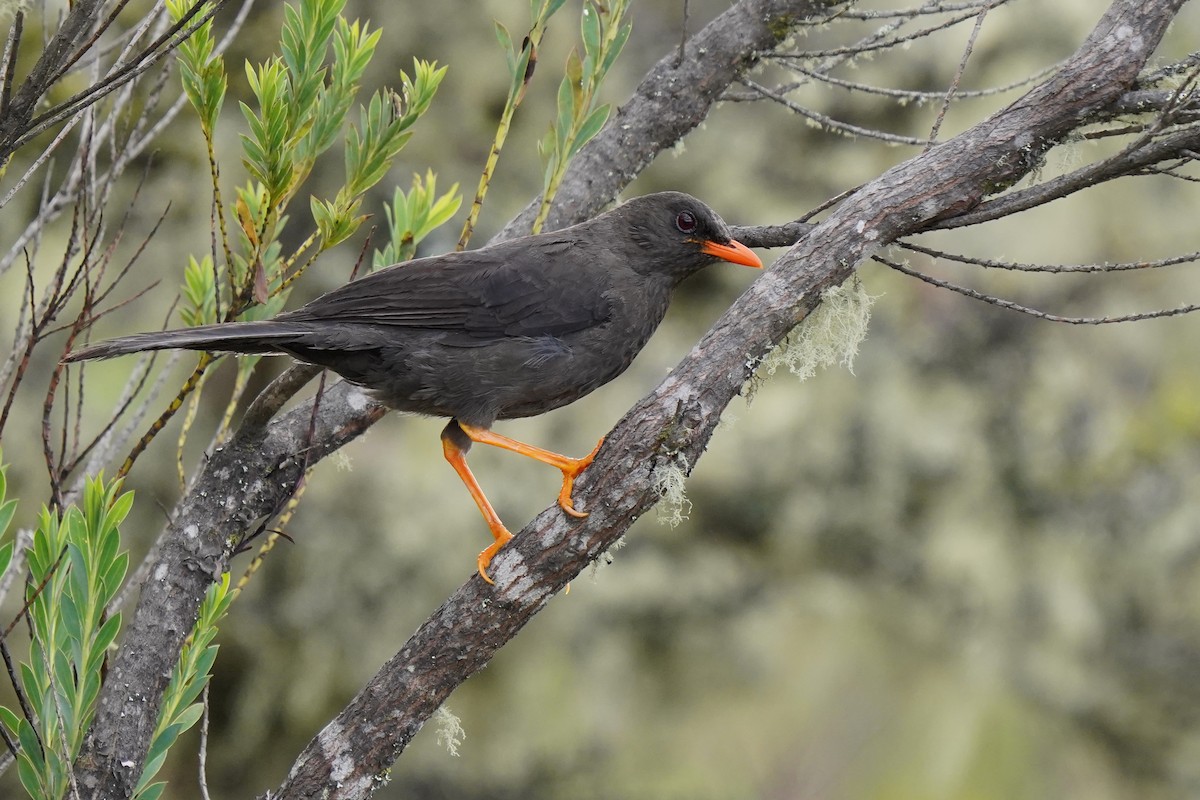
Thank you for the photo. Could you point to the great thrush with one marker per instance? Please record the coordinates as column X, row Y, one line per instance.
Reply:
column 511, row 330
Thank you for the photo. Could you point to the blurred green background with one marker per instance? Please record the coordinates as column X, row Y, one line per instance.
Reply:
column 967, row 570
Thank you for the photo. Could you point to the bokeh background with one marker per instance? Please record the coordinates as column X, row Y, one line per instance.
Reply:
column 968, row 569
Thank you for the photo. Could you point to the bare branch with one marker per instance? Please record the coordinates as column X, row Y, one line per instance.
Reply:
column 1014, row 266
column 1128, row 161
column 1000, row 302
column 829, row 123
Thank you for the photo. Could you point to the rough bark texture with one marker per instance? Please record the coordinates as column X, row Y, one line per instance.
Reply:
column 349, row 758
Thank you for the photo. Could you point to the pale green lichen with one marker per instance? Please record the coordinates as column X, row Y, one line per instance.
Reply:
column 669, row 481
column 606, row 558
column 728, row 420
column 9, row 8
column 829, row 335
column 449, row 730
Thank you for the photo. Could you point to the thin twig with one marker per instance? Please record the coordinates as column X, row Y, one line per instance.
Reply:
column 958, row 73
column 1033, row 312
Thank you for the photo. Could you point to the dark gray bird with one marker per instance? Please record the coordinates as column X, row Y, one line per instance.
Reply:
column 511, row 330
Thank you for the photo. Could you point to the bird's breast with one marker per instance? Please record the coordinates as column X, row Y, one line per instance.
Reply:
column 561, row 370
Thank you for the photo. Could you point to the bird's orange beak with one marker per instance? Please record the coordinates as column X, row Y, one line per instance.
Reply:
column 735, row 252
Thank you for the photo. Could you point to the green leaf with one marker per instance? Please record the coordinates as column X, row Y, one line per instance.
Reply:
column 323, row 216
column 443, row 210
column 566, row 108
column 152, row 792
column 105, row 636
column 64, row 675
column 6, row 551
column 189, row 695
column 162, row 743
column 506, row 44
column 28, row 772
column 119, row 510
column 574, row 74
column 9, row 719
column 69, row 613
column 549, row 9
column 115, row 575
column 589, row 26
column 189, row 716
column 590, row 127
column 32, row 682
column 618, row 44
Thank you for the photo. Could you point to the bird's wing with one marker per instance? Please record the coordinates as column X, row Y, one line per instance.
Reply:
column 543, row 286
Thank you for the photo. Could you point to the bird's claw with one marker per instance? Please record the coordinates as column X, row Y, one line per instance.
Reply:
column 489, row 552
column 570, row 472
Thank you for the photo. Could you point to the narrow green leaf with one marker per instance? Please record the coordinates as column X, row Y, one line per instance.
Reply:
column 119, row 510
column 618, row 44
column 31, row 681
column 106, row 635
column 446, row 207
column 69, row 613
column 29, row 745
column 31, row 779
column 506, row 44
column 189, row 716
column 574, row 74
column 64, row 674
column 114, row 576
column 10, row 720
column 152, row 792
column 589, row 26
column 158, row 752
column 590, row 127
column 566, row 107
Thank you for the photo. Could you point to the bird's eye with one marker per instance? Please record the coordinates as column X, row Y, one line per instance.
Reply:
column 686, row 221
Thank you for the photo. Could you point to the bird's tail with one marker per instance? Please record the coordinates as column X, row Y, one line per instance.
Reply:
column 231, row 337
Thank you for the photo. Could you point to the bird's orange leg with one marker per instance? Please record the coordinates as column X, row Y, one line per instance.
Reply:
column 570, row 467
column 457, row 456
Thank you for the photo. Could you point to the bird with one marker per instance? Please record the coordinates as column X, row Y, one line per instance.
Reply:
column 511, row 330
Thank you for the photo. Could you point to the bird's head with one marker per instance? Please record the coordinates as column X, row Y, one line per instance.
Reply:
column 680, row 234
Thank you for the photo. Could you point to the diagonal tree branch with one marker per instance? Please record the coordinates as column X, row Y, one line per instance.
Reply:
column 673, row 424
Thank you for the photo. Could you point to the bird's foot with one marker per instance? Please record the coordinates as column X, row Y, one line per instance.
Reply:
column 571, row 470
column 489, row 552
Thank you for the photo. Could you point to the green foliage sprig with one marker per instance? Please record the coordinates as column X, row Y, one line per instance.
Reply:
column 202, row 73
column 301, row 104
column 302, row 99
column 384, row 128
column 75, row 570
column 180, row 709
column 521, row 63
column 413, row 216
column 604, row 31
